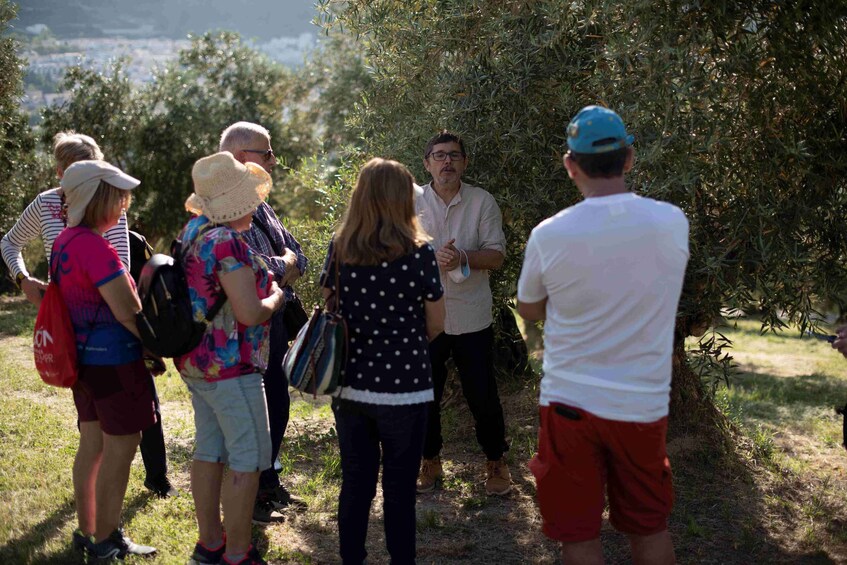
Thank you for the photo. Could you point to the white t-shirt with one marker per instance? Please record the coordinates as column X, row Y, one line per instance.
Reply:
column 612, row 269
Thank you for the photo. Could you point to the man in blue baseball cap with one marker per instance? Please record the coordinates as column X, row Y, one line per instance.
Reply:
column 606, row 275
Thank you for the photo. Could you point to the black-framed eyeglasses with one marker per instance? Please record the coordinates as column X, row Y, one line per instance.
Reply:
column 442, row 155
column 267, row 154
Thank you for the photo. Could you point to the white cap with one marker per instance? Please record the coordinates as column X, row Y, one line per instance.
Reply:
column 80, row 182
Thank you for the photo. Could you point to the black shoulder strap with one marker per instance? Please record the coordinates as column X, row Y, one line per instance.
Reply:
column 140, row 252
column 176, row 252
column 141, row 243
column 216, row 307
column 267, row 233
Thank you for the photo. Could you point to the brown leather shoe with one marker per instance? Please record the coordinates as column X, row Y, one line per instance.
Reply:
column 430, row 474
column 498, row 478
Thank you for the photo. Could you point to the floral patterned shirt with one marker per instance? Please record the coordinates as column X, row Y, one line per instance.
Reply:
column 229, row 349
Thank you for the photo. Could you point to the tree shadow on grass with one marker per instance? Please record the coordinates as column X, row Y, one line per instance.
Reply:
column 721, row 515
column 735, row 503
column 806, row 390
column 27, row 548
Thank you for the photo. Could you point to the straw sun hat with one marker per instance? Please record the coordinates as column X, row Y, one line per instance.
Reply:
column 225, row 190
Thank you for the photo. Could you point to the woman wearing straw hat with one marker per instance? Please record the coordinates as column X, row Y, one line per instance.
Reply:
column 392, row 300
column 224, row 373
column 113, row 394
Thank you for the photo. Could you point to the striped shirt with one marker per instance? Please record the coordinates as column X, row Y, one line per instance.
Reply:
column 43, row 218
column 258, row 241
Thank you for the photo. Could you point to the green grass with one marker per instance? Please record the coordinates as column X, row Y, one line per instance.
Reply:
column 693, row 529
column 428, row 520
column 38, row 440
column 781, row 397
column 759, row 392
column 17, row 318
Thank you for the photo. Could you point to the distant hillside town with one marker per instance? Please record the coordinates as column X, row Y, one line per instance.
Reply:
column 48, row 57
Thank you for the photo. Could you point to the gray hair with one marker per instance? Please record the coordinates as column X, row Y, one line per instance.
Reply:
column 240, row 134
column 70, row 147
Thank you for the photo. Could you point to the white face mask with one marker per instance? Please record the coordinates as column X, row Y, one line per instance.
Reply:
column 462, row 272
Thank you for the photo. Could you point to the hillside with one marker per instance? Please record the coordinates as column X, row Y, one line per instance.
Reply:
column 260, row 19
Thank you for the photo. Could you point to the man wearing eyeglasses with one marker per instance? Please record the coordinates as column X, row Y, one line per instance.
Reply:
column 249, row 142
column 466, row 226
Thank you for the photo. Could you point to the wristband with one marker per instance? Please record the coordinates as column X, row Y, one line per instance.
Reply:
column 19, row 278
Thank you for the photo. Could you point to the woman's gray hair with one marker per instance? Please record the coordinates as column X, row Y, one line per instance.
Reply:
column 240, row 134
column 70, row 147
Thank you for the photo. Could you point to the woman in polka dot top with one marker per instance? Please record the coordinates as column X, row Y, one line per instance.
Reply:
column 391, row 297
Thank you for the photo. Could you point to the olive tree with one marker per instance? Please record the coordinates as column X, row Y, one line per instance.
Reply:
column 103, row 105
column 17, row 167
column 22, row 173
column 156, row 132
column 328, row 88
column 217, row 81
column 739, row 110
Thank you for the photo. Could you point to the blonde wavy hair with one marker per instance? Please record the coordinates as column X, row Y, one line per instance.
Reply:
column 380, row 223
column 70, row 147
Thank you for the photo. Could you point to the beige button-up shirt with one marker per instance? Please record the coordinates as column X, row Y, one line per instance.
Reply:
column 473, row 219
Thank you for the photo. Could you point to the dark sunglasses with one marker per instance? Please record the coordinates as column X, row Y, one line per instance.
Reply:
column 266, row 155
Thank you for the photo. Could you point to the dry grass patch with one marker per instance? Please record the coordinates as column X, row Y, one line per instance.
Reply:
column 782, row 400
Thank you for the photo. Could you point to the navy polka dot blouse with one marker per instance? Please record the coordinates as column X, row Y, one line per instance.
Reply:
column 388, row 357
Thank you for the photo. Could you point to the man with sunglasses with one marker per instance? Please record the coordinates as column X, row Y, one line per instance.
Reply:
column 606, row 274
column 466, row 226
column 249, row 142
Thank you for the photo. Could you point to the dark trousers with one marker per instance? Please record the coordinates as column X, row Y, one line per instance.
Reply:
column 153, row 444
column 363, row 431
column 278, row 399
column 473, row 354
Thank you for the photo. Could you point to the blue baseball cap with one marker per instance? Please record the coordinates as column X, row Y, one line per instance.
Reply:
column 597, row 130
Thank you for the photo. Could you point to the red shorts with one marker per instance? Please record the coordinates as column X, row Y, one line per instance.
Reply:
column 120, row 397
column 579, row 454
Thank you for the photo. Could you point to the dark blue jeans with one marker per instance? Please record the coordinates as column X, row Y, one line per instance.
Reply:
column 279, row 401
column 366, row 433
column 473, row 354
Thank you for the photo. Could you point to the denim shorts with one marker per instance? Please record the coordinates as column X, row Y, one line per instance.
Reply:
column 231, row 422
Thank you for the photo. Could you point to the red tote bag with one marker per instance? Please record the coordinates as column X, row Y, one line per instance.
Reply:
column 54, row 340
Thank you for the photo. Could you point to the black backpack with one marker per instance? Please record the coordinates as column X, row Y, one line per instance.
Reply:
column 166, row 320
column 139, row 253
